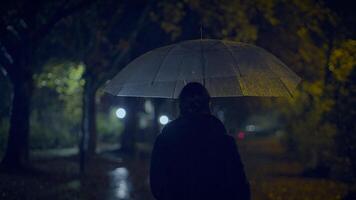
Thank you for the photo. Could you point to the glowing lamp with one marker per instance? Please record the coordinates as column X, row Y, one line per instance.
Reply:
column 163, row 119
column 120, row 113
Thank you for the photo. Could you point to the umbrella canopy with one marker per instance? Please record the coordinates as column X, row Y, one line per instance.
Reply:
column 225, row 68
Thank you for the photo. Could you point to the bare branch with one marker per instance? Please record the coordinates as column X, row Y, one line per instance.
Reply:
column 5, row 67
column 120, row 56
column 6, row 61
column 58, row 16
column 3, row 71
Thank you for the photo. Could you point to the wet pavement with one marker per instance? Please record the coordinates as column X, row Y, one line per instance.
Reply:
column 120, row 184
column 110, row 176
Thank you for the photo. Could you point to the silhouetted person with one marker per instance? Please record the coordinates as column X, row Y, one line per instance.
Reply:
column 193, row 158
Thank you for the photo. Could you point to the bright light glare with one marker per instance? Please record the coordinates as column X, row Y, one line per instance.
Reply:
column 120, row 113
column 163, row 119
column 251, row 128
column 119, row 178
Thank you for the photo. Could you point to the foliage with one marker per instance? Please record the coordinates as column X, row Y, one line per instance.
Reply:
column 343, row 114
column 218, row 19
column 109, row 127
column 56, row 111
column 322, row 111
column 168, row 16
column 343, row 60
column 53, row 132
column 56, row 116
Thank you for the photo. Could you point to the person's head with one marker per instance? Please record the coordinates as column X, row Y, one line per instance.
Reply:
column 194, row 98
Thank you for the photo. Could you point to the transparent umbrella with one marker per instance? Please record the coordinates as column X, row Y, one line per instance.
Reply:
column 225, row 68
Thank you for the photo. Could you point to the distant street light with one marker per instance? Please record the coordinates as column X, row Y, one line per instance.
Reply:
column 163, row 119
column 251, row 128
column 120, row 113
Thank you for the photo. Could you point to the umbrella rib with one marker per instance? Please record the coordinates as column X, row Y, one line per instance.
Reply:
column 284, row 85
column 211, row 46
column 179, row 72
column 292, row 73
column 232, row 55
column 237, row 66
column 160, row 65
column 202, row 61
column 119, row 90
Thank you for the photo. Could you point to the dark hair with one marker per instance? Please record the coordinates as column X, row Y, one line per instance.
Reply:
column 194, row 98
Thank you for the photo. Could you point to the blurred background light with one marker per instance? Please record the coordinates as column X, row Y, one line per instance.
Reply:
column 251, row 128
column 120, row 113
column 163, row 119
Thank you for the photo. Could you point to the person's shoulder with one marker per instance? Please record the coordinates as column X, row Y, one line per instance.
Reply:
column 214, row 119
column 169, row 132
column 229, row 139
column 172, row 124
column 216, row 122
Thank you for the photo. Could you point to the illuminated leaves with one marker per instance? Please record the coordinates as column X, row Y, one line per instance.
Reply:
column 343, row 60
column 64, row 78
column 267, row 9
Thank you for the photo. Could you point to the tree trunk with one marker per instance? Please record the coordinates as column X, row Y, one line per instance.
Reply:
column 128, row 138
column 17, row 150
column 88, row 135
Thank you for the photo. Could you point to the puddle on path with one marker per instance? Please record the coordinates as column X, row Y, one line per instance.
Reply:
column 120, row 184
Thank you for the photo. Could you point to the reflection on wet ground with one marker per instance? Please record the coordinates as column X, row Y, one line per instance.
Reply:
column 120, row 185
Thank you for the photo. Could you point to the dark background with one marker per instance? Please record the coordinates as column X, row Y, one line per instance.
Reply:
column 56, row 56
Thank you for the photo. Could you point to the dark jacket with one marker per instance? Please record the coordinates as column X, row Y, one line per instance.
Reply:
column 193, row 158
